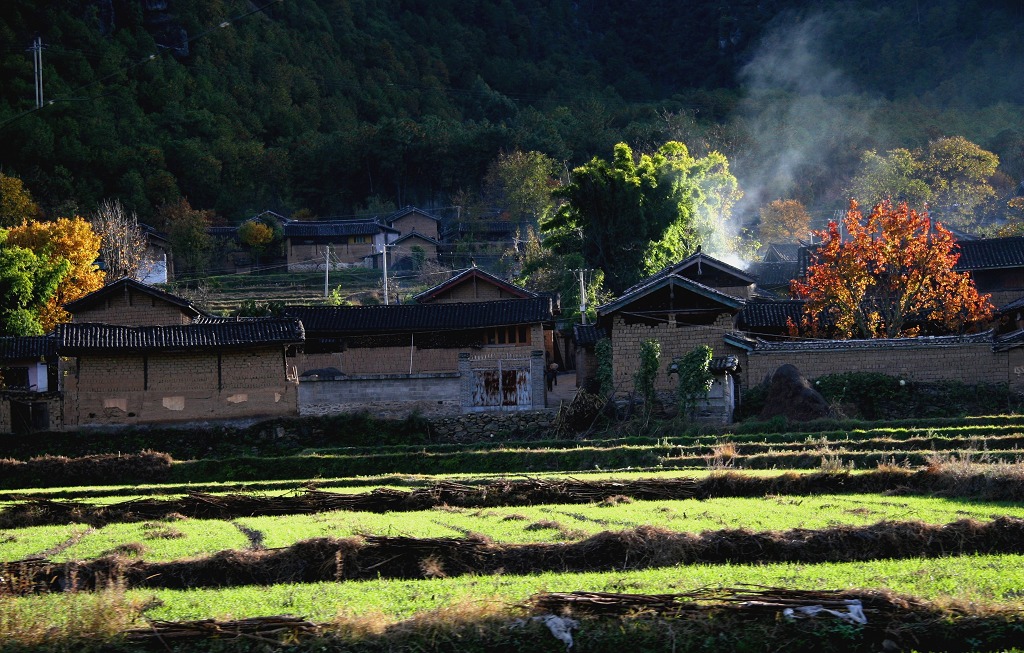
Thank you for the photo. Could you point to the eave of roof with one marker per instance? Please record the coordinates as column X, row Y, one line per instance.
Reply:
column 26, row 347
column 464, row 277
column 416, row 234
column 401, row 213
column 408, row 318
column 991, row 253
column 770, row 314
column 83, row 337
column 324, row 229
column 129, row 283
column 673, row 279
column 587, row 335
column 874, row 343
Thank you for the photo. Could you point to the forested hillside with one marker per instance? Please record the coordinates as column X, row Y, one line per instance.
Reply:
column 334, row 105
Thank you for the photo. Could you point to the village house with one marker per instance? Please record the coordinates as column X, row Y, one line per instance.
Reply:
column 778, row 267
column 691, row 303
column 441, row 358
column 133, row 354
column 114, row 374
column 345, row 243
column 412, row 220
column 132, row 303
column 684, row 306
column 472, row 285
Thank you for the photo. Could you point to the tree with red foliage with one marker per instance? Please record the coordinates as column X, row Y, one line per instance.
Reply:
column 890, row 277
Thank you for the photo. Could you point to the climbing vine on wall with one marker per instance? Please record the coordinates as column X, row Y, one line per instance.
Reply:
column 695, row 379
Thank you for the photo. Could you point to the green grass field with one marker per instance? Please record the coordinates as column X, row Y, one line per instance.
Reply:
column 988, row 582
column 162, row 541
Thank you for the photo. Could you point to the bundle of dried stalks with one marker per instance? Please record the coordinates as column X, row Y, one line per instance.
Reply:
column 272, row 630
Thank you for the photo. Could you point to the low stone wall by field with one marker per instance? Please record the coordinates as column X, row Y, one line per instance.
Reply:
column 477, row 427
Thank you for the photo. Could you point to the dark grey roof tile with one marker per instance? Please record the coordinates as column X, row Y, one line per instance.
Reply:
column 405, row 318
column 83, row 337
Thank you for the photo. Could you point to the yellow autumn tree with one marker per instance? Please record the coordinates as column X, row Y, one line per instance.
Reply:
column 69, row 238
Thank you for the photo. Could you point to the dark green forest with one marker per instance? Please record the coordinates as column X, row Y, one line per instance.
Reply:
column 336, row 105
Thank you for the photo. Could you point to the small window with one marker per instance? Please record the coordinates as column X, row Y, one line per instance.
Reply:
column 360, row 240
column 14, row 378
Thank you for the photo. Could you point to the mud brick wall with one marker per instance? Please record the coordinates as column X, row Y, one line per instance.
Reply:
column 133, row 309
column 967, row 362
column 310, row 257
column 396, row 360
column 177, row 387
column 675, row 341
column 474, row 291
column 415, row 222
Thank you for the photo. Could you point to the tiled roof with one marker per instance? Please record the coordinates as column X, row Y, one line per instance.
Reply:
column 991, row 253
column 416, row 234
column 1008, row 341
column 464, row 277
column 781, row 252
column 1015, row 305
column 659, row 281
column 340, row 228
column 698, row 259
column 775, row 275
column 222, row 231
column 762, row 315
column 484, row 229
column 874, row 343
column 986, row 254
column 405, row 318
column 78, row 337
column 724, row 364
column 401, row 213
column 587, row 335
column 20, row 347
column 123, row 285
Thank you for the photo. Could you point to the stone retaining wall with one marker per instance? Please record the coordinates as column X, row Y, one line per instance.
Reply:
column 477, row 427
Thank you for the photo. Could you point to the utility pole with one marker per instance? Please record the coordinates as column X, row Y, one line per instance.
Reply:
column 327, row 270
column 384, row 248
column 37, row 64
column 583, row 294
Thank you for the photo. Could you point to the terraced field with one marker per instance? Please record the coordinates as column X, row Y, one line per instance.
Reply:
column 887, row 538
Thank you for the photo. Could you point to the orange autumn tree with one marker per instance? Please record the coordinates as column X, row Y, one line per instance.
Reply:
column 890, row 276
column 69, row 238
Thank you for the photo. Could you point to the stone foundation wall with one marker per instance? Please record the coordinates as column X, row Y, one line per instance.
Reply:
column 477, row 427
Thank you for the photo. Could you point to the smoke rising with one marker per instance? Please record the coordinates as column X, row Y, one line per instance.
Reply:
column 801, row 123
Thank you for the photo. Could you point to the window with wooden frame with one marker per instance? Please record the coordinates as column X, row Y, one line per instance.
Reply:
column 508, row 335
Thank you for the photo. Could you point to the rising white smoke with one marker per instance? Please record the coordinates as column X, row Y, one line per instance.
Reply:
column 799, row 119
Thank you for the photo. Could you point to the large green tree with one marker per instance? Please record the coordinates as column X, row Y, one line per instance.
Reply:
column 952, row 177
column 633, row 215
column 520, row 185
column 27, row 281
